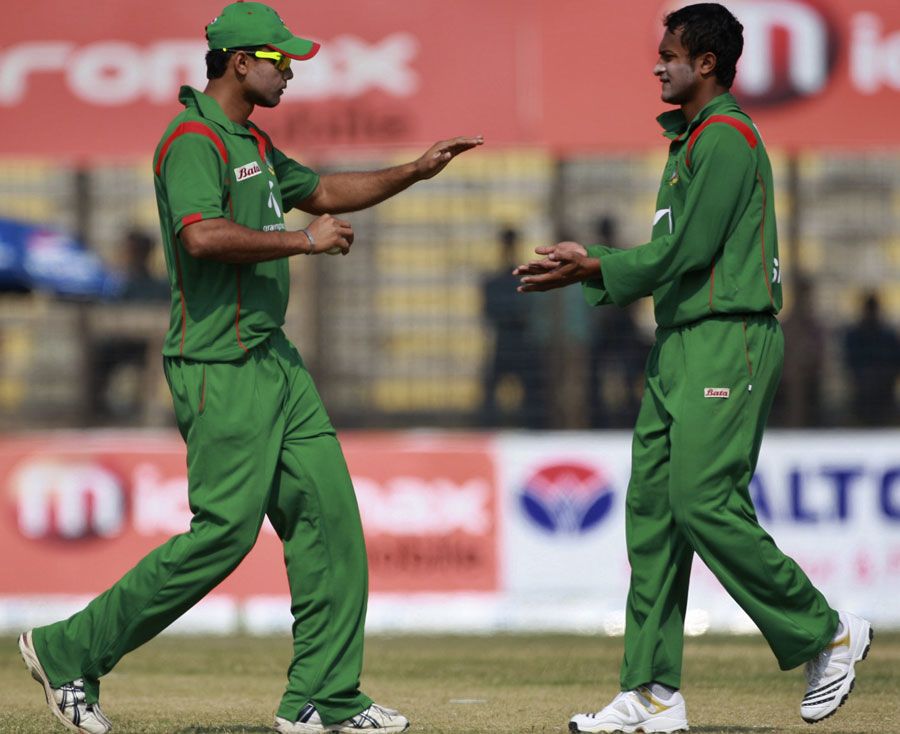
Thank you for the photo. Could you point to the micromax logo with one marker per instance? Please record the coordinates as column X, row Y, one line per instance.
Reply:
column 116, row 73
column 418, row 506
column 789, row 50
column 68, row 500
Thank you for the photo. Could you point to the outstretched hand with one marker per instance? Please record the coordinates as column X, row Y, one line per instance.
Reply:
column 436, row 158
column 563, row 264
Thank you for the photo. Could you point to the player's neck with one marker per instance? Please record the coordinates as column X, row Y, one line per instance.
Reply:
column 235, row 106
column 704, row 96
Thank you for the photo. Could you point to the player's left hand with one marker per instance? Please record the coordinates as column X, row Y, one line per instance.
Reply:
column 563, row 264
column 436, row 158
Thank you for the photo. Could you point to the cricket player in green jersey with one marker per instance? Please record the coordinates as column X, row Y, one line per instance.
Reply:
column 712, row 269
column 259, row 442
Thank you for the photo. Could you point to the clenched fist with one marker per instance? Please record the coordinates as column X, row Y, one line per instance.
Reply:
column 330, row 235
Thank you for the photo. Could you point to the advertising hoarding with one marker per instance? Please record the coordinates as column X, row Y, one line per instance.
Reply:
column 571, row 75
column 464, row 532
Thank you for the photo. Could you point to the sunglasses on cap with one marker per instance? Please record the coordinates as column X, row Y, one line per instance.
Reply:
column 280, row 61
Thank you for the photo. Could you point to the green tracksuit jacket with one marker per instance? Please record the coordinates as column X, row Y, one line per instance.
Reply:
column 714, row 246
column 712, row 269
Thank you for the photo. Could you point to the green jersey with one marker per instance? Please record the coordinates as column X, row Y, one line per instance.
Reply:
column 714, row 246
column 208, row 167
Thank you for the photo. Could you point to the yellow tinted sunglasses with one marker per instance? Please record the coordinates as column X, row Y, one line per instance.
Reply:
column 281, row 62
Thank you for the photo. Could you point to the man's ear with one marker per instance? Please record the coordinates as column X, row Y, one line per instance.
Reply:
column 240, row 62
column 706, row 63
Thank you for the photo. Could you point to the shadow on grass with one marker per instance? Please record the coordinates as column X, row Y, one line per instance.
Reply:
column 227, row 729
column 733, row 730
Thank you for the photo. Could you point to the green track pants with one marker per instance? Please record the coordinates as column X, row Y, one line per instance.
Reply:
column 693, row 456
column 259, row 443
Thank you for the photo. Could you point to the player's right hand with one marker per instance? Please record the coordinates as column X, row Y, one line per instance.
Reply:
column 331, row 235
column 564, row 263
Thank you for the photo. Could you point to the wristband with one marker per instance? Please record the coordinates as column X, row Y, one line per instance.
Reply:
column 312, row 242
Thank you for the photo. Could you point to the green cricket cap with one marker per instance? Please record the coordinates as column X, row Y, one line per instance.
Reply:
column 243, row 24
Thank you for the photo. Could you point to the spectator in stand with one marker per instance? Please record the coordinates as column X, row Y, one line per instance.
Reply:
column 141, row 285
column 515, row 355
column 616, row 355
column 560, row 329
column 872, row 356
column 120, row 360
column 799, row 400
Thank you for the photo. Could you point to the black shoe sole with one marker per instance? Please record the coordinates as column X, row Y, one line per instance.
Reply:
column 573, row 729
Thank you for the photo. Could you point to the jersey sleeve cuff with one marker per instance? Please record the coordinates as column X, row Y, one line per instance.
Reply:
column 594, row 289
column 182, row 222
column 619, row 278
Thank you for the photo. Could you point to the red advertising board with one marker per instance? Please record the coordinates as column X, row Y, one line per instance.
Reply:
column 100, row 503
column 814, row 73
column 99, row 81
column 429, row 508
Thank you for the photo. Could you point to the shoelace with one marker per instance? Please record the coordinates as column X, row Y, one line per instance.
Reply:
column 364, row 720
column 73, row 698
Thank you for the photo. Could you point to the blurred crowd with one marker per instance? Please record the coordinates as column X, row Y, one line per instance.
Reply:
column 550, row 361
column 539, row 350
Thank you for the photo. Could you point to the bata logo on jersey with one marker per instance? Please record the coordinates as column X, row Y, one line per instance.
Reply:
column 716, row 392
column 567, row 498
column 68, row 500
column 792, row 48
column 115, row 73
column 248, row 170
column 419, row 506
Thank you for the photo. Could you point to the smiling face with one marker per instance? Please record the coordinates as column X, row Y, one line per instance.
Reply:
column 263, row 83
column 680, row 75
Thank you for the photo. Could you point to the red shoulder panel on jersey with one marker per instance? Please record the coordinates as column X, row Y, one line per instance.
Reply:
column 184, row 128
column 742, row 127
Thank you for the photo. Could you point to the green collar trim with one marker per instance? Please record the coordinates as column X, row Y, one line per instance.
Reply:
column 210, row 109
column 675, row 126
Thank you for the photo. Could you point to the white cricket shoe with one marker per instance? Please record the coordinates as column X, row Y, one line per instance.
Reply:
column 635, row 711
column 66, row 702
column 373, row 720
column 830, row 675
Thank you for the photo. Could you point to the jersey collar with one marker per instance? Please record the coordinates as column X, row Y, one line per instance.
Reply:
column 210, row 109
column 676, row 127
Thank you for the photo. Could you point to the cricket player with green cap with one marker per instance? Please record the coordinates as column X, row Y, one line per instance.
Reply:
column 259, row 442
column 712, row 269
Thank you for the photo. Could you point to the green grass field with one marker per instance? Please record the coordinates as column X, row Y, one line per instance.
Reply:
column 507, row 684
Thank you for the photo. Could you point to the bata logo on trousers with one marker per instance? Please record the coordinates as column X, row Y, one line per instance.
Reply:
column 248, row 170
column 716, row 392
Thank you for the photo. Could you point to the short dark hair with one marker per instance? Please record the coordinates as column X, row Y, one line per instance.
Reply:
column 710, row 28
column 217, row 60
